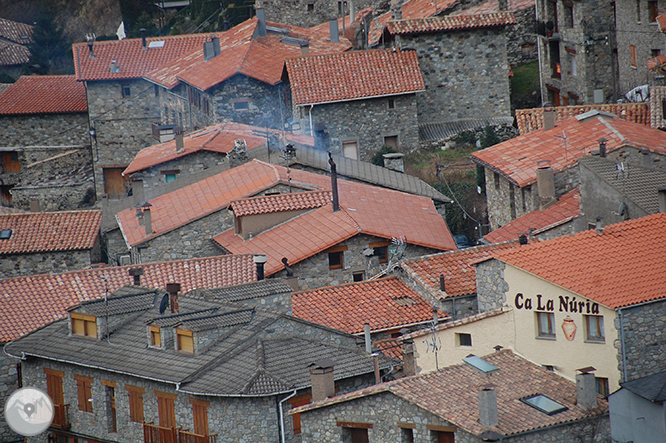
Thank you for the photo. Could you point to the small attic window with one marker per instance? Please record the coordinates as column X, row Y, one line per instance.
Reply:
column 84, row 325
column 480, row 364
column 155, row 336
column 5, row 234
column 157, row 44
column 185, row 341
column 310, row 7
column 544, row 404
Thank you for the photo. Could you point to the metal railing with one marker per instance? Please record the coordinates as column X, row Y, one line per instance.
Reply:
column 159, row 434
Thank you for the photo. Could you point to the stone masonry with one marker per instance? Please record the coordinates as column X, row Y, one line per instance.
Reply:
column 56, row 130
column 307, row 13
column 155, row 176
column 491, row 288
column 8, row 383
column 15, row 265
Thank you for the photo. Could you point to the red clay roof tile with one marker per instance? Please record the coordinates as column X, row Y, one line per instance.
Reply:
column 493, row 6
column 450, row 23
column 353, row 75
column 425, row 8
column 600, row 265
column 661, row 21
column 387, row 303
column 561, row 212
column 517, row 159
column 27, row 303
column 16, row 32
column 50, row 231
column 44, row 94
column 266, row 204
column 13, row 54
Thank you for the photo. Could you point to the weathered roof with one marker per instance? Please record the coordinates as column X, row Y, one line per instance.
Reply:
column 452, row 394
column 261, row 58
column 425, row 8
column 450, row 23
column 489, row 6
column 455, row 323
column 353, row 76
column 13, row 54
column 367, row 173
column 44, row 94
column 219, row 137
column 532, row 119
column 457, row 267
column 565, row 210
column 386, row 303
column 50, row 231
column 517, row 159
column 651, row 387
column 258, row 354
column 617, row 267
column 27, row 303
column 266, row 204
column 245, row 291
column 16, row 32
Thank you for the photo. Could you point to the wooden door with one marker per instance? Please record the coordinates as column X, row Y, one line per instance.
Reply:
column 359, row 435
column 445, row 437
column 114, row 182
column 166, row 411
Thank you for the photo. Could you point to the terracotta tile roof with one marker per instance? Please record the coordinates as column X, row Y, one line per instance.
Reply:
column 27, row 303
column 457, row 267
column 661, row 21
column 532, row 119
column 452, row 394
column 619, row 267
column 517, row 159
column 16, row 32
column 425, row 8
column 657, row 64
column 390, row 347
column 261, row 58
column 450, row 23
column 565, row 210
column 376, row 30
column 50, row 231
column 363, row 209
column 44, row 94
column 386, row 303
column 219, row 137
column 493, row 6
column 13, row 54
column 266, row 204
column 353, row 75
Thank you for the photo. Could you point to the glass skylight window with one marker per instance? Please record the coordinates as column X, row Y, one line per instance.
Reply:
column 5, row 234
column 480, row 364
column 544, row 404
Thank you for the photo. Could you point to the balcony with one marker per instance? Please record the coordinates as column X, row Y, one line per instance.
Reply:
column 160, row 434
column 61, row 417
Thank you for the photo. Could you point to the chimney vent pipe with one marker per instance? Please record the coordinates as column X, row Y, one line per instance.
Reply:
column 335, row 34
column 442, row 283
column 260, row 261
column 136, row 273
column 602, row 147
column 368, row 339
column 334, row 182
column 661, row 194
column 143, row 39
column 586, row 388
column 488, row 406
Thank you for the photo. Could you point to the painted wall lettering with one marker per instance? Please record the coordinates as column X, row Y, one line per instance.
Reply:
column 566, row 304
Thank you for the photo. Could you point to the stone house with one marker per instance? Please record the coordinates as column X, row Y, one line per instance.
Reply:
column 354, row 103
column 45, row 147
column 205, row 148
column 141, row 369
column 310, row 13
column 49, row 242
column 533, row 170
column 29, row 303
column 464, row 64
column 14, row 40
column 498, row 397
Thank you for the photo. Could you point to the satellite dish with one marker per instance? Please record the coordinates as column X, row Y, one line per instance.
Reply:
column 164, row 304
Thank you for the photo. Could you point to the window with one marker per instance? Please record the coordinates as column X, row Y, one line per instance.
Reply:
column 135, row 403
column 496, row 178
column 84, row 392
column 125, row 90
column 170, row 177
column 55, row 391
column 527, row 50
column 355, row 432
column 406, row 435
column 653, row 9
column 84, row 325
column 602, row 386
column 5, row 234
column 110, row 394
column 441, row 434
column 295, row 402
column 391, row 103
column 336, row 257
column 155, row 336
column 480, row 364
column 381, row 250
column 594, row 325
column 350, row 149
column 632, row 55
column 573, row 99
column 638, row 11
column 241, row 105
column 655, row 52
column 544, row 404
column 545, row 325
column 185, row 340
column 463, row 339
column 358, row 276
column 310, row 7
column 553, row 95
column 200, row 415
column 568, row 14
column 555, row 64
column 392, row 141
column 551, row 17
column 573, row 68
column 10, row 162
column 166, row 409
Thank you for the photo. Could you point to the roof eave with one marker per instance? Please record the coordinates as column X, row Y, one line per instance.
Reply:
column 360, row 98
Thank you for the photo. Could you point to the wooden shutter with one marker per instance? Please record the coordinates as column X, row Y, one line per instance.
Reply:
column 84, row 391
column 135, row 403
column 54, row 385
column 200, row 412
column 166, row 409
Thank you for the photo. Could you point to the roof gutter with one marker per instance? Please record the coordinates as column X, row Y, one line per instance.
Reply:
column 360, row 98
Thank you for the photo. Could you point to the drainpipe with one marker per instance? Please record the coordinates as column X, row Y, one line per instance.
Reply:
column 624, row 355
column 283, row 438
column 311, row 130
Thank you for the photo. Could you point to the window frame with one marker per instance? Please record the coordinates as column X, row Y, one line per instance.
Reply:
column 462, row 339
column 551, row 334
column 632, row 56
column 599, row 320
column 390, row 103
column 125, row 90
column 653, row 11
column 337, row 251
column 188, row 336
column 602, row 386
column 89, row 322
column 381, row 245
column 244, row 104
column 155, row 332
column 11, row 164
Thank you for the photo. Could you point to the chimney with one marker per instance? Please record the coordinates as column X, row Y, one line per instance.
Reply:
column 137, row 187
column 394, row 161
column 147, row 221
column 435, row 316
column 502, row 5
column 602, row 147
column 546, row 186
column 321, row 376
column 368, row 339
column 522, row 239
column 136, row 273
column 261, row 22
column 586, row 388
column 173, row 289
column 409, row 362
column 259, row 261
column 599, row 226
column 647, row 158
column 442, row 283
column 34, row 205
column 333, row 27
column 113, row 67
column 661, row 195
column 91, row 42
column 305, row 48
column 488, row 406
column 180, row 146
column 216, row 45
column 352, row 12
column 143, row 39
column 548, row 118
column 211, row 48
column 378, row 376
column 396, row 12
column 334, row 182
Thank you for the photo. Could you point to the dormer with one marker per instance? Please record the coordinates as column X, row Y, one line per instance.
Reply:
column 83, row 325
column 257, row 214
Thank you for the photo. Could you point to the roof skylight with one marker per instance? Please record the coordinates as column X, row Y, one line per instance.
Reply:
column 544, row 404
column 480, row 364
column 5, row 234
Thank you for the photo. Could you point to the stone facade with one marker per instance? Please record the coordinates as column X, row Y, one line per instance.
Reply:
column 307, row 13
column 56, row 262
column 491, row 288
column 8, row 384
column 642, row 330
column 465, row 72
column 74, row 192
column 521, row 41
column 635, row 27
column 576, row 49
column 156, row 176
column 36, row 130
column 368, row 123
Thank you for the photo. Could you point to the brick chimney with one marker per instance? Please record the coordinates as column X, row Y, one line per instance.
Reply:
column 260, row 261
column 488, row 406
column 173, row 289
column 586, row 388
column 321, row 376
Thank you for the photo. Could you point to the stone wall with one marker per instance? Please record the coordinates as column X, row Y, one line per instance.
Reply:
column 77, row 193
column 56, row 130
column 186, row 166
column 8, row 384
column 15, row 265
column 491, row 288
column 644, row 338
column 367, row 122
column 466, row 74
column 306, row 13
column 521, row 41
